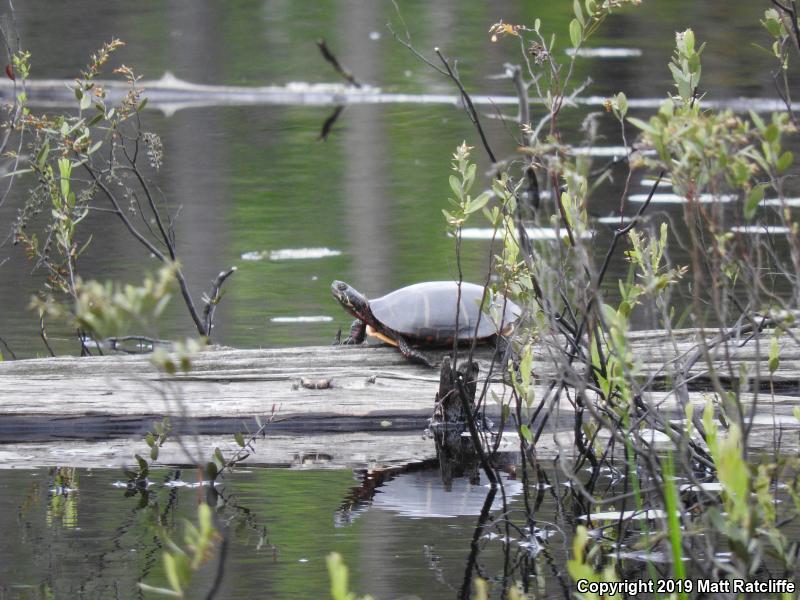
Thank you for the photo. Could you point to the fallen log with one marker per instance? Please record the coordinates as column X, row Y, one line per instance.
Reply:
column 370, row 394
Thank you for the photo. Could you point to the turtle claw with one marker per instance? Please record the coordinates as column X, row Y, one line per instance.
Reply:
column 357, row 335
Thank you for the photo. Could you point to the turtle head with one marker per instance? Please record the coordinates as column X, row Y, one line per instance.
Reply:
column 352, row 301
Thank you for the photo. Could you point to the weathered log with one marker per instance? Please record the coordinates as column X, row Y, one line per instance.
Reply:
column 454, row 447
column 374, row 393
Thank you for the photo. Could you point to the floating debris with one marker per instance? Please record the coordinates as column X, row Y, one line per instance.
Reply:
column 761, row 229
column 179, row 483
column 658, row 557
column 302, row 319
column 710, row 486
column 302, row 253
column 290, row 254
column 613, row 220
column 633, row 515
column 780, row 202
column 651, row 181
column 170, row 94
column 534, row 233
column 604, row 52
column 676, row 199
column 495, row 536
column 654, row 436
column 133, row 485
column 602, row 151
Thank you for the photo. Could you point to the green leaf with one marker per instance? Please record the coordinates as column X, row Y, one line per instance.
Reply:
column 754, row 198
column 154, row 453
column 95, row 119
column 239, row 439
column 218, row 458
column 536, row 25
column 171, row 569
column 643, row 125
column 86, row 101
column 158, row 590
column 622, row 103
column 774, row 355
column 575, row 33
column 142, row 463
column 477, row 203
column 455, row 185
column 337, row 573
column 525, row 432
column 151, row 441
column 469, row 176
column 169, row 367
column 576, row 8
column 672, row 505
column 757, row 120
column 772, row 133
column 785, row 161
column 41, row 158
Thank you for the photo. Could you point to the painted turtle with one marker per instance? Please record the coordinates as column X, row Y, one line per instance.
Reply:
column 423, row 314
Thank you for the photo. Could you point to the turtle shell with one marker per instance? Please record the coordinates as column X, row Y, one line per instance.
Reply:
column 426, row 312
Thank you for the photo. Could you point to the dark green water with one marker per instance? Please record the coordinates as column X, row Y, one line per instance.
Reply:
column 98, row 543
column 249, row 179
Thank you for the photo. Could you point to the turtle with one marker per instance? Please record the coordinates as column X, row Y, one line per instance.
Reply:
column 424, row 314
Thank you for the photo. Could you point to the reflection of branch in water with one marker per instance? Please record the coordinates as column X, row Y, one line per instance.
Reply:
column 466, row 585
column 435, row 565
column 327, row 126
column 246, row 516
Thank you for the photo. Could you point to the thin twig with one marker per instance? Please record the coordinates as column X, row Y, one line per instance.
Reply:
column 470, row 107
column 8, row 349
column 43, row 335
column 213, row 299
column 337, row 66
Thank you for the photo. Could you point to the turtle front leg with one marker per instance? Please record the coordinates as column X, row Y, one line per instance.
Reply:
column 413, row 354
column 358, row 333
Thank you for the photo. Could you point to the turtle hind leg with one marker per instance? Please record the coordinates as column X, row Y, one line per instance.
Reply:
column 358, row 333
column 412, row 354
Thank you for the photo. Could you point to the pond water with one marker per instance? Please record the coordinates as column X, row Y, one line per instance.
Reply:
column 247, row 181
column 405, row 538
column 96, row 542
